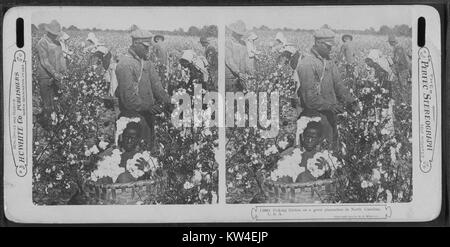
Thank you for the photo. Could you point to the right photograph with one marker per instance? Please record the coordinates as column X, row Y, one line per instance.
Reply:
column 318, row 110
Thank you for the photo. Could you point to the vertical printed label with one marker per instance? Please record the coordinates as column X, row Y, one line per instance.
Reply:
column 427, row 110
column 17, row 113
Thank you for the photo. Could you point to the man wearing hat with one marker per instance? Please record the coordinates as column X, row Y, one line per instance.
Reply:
column 50, row 69
column 348, row 54
column 139, row 86
column 401, row 68
column 159, row 57
column 237, row 60
column 212, row 58
column 321, row 89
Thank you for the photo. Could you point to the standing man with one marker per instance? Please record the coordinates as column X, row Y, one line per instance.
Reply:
column 348, row 55
column 237, row 61
column 402, row 69
column 160, row 58
column 139, row 85
column 50, row 69
column 321, row 88
column 212, row 58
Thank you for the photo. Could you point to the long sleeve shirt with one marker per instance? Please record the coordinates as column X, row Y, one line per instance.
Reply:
column 236, row 59
column 51, row 58
column 139, row 85
column 320, row 83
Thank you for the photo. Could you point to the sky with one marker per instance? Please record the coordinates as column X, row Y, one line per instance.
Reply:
column 160, row 18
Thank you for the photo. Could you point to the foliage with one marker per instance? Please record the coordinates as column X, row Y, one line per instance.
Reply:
column 376, row 158
column 61, row 156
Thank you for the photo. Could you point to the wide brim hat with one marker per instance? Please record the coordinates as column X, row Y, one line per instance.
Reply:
column 158, row 36
column 142, row 36
column 346, row 35
column 238, row 27
column 53, row 27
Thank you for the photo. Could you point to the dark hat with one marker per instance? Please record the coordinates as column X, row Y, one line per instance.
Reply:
column 142, row 36
column 325, row 35
column 347, row 36
column 158, row 36
column 53, row 27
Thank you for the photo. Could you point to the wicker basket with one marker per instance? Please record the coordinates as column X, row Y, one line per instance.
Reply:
column 310, row 192
column 125, row 193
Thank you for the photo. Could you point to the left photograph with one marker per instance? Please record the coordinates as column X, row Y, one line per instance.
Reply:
column 106, row 97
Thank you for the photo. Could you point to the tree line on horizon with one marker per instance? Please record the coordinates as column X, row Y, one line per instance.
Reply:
column 207, row 30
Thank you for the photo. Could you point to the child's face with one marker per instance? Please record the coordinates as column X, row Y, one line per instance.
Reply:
column 130, row 139
column 311, row 138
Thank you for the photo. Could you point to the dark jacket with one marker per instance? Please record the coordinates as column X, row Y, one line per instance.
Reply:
column 320, row 83
column 51, row 58
column 139, row 84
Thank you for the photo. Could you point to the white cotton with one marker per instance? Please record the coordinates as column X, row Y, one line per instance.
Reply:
column 188, row 185
column 271, row 150
column 197, row 177
column 331, row 163
column 103, row 145
column 289, row 166
column 94, row 149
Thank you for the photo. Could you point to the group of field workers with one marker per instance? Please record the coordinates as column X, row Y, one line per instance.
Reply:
column 138, row 79
column 320, row 90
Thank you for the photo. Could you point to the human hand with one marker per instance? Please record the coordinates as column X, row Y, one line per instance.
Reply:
column 142, row 163
column 321, row 162
column 169, row 107
column 337, row 109
column 156, row 109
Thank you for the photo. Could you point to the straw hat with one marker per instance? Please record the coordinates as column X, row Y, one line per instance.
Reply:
column 347, row 35
column 158, row 36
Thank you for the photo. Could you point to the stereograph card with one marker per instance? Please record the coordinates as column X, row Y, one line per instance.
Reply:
column 222, row 114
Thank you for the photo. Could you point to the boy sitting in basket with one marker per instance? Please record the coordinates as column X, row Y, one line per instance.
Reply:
column 309, row 161
column 129, row 163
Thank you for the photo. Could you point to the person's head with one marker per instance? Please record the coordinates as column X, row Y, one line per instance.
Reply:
column 141, row 41
column 324, row 42
column 158, row 38
column 204, row 41
column 238, row 30
column 346, row 38
column 280, row 39
column 312, row 136
column 187, row 58
column 184, row 63
column 53, row 29
column 392, row 40
column 284, row 58
column 131, row 136
column 369, row 62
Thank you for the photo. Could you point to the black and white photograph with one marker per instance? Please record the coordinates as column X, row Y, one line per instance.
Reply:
column 226, row 114
column 343, row 129
column 102, row 106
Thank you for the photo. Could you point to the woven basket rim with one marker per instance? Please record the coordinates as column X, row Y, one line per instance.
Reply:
column 124, row 185
column 301, row 185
